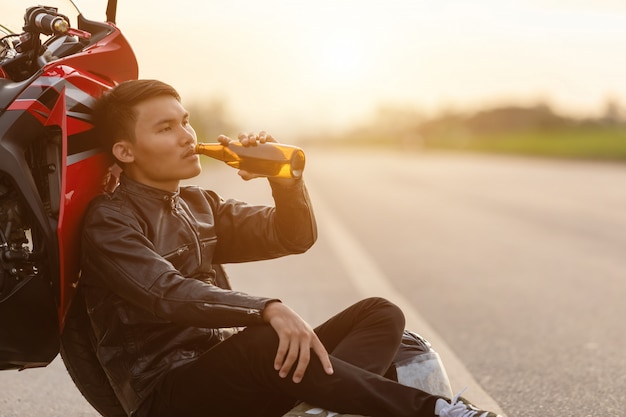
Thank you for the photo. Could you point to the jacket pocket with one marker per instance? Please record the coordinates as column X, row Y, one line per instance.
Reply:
column 178, row 256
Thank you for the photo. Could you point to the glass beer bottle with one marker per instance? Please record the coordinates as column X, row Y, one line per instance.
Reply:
column 269, row 159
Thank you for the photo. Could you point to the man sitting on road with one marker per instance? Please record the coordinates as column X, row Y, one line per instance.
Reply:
column 157, row 309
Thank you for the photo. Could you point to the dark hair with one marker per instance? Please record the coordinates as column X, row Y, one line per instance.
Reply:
column 114, row 113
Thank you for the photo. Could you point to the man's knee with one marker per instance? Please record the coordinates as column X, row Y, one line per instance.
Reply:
column 387, row 309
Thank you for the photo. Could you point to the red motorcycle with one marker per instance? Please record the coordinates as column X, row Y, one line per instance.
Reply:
column 51, row 166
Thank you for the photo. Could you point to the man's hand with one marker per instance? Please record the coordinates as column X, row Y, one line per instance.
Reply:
column 296, row 339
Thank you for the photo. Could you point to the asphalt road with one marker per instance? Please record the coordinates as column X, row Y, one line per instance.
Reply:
column 514, row 266
column 517, row 263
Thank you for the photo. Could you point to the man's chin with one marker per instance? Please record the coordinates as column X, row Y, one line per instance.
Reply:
column 192, row 173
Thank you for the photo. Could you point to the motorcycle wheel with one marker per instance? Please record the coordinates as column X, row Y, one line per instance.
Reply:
column 79, row 357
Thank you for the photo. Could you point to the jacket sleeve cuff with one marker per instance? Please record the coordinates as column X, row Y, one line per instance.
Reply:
column 268, row 302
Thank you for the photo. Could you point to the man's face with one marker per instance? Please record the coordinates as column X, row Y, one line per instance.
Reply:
column 162, row 153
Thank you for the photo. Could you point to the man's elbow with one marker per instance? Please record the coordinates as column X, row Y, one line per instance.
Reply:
column 302, row 242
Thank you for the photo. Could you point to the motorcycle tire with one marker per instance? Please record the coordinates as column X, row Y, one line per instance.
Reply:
column 79, row 357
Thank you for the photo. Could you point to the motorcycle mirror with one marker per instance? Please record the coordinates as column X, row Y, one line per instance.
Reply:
column 111, row 10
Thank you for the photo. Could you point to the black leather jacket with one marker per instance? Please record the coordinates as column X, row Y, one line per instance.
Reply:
column 150, row 278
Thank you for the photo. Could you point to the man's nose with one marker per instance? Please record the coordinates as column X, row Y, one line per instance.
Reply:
column 187, row 134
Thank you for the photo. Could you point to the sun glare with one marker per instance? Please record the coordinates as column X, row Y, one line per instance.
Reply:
column 322, row 60
column 340, row 57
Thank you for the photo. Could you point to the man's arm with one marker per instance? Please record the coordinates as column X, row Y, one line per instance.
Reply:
column 118, row 256
column 249, row 233
column 252, row 233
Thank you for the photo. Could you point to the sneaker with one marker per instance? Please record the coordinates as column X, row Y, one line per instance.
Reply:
column 460, row 407
column 307, row 410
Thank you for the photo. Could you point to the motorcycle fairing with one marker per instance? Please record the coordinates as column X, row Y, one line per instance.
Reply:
column 51, row 168
column 57, row 194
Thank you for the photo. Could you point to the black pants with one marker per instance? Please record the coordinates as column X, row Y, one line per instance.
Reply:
column 237, row 378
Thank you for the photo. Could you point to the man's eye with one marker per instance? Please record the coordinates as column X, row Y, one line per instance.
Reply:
column 165, row 129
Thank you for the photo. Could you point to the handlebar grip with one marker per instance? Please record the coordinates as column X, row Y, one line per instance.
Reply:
column 51, row 24
column 47, row 22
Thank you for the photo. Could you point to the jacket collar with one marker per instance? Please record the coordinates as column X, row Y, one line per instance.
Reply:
column 133, row 187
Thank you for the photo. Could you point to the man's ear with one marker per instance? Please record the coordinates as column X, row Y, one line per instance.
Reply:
column 123, row 151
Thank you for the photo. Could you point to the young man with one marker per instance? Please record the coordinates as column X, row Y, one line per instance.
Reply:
column 161, row 311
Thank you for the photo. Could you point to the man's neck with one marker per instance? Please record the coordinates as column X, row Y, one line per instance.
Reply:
column 168, row 186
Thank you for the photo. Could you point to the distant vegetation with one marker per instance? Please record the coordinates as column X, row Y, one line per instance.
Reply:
column 531, row 130
column 210, row 119
column 534, row 130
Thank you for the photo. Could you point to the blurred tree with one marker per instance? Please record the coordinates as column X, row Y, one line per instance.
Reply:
column 613, row 112
column 210, row 119
column 515, row 119
column 390, row 125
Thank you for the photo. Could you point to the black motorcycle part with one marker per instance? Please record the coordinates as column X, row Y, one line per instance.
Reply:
column 28, row 326
column 29, row 206
column 28, row 304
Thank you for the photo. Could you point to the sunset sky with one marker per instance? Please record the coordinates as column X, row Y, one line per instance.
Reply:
column 284, row 65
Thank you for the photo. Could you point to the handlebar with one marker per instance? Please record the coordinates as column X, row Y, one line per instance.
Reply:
column 45, row 20
column 26, row 54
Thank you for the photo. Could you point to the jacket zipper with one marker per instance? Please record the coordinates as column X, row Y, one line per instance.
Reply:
column 248, row 310
column 182, row 215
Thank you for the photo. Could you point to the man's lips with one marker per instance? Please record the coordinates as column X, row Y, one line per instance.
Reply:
column 189, row 153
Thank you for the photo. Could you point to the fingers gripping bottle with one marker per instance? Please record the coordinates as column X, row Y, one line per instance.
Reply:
column 269, row 159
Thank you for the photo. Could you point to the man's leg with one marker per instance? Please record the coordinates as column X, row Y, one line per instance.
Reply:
column 237, row 377
column 366, row 335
